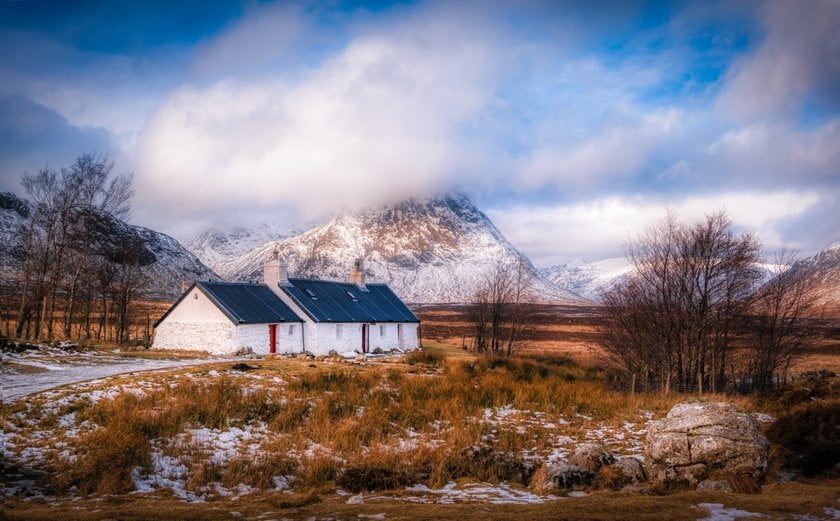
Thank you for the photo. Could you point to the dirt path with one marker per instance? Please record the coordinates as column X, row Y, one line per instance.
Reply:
column 32, row 372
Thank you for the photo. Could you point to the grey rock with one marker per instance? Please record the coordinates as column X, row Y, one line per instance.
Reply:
column 631, row 468
column 698, row 437
column 714, row 485
column 564, row 475
column 590, row 457
column 635, row 488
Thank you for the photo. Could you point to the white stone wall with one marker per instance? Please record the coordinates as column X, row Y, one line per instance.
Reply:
column 328, row 340
column 390, row 339
column 351, row 337
column 196, row 324
column 257, row 338
column 216, row 338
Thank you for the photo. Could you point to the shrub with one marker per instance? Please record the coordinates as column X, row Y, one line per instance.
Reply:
column 809, row 437
column 374, row 478
column 421, row 356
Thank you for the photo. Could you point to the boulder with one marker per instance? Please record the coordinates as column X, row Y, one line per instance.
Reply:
column 631, row 469
column 563, row 475
column 714, row 485
column 590, row 457
column 700, row 437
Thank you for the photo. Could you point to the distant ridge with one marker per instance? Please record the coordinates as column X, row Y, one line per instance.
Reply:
column 433, row 250
column 167, row 267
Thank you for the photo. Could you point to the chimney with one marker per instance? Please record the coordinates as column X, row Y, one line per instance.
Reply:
column 357, row 277
column 275, row 273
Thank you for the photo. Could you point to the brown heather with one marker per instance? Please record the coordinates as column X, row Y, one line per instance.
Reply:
column 379, row 426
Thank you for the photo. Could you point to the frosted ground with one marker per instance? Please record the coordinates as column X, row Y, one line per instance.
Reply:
column 36, row 370
column 28, row 440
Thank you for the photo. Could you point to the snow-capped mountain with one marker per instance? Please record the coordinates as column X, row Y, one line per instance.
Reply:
column 824, row 272
column 166, row 266
column 587, row 278
column 217, row 244
column 434, row 250
column 13, row 212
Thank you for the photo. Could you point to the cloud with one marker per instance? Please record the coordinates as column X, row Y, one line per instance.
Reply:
column 258, row 42
column 379, row 121
column 598, row 229
column 620, row 150
column 798, row 61
column 25, row 126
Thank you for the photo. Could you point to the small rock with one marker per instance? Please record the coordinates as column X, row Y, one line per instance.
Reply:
column 714, row 485
column 590, row 457
column 631, row 468
column 563, row 475
column 356, row 500
column 635, row 488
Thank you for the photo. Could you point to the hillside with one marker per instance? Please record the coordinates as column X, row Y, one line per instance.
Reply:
column 217, row 244
column 433, row 250
column 587, row 278
column 824, row 271
column 166, row 266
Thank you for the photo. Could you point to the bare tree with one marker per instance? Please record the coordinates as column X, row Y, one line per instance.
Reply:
column 777, row 323
column 497, row 309
column 674, row 320
column 57, row 238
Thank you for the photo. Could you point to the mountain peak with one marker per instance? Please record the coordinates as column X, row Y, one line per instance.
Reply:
column 436, row 249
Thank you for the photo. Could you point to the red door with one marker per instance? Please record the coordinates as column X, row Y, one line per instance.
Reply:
column 364, row 338
column 272, row 338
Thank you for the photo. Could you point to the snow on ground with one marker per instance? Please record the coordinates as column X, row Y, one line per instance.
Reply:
column 474, row 492
column 718, row 512
column 58, row 367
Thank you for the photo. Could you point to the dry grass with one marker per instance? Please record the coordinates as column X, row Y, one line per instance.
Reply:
column 783, row 501
column 421, row 420
column 432, row 417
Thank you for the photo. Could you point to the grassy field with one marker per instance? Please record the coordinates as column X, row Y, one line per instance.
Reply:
column 437, row 434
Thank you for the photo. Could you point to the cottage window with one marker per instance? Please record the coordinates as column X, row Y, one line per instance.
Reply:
column 381, row 329
column 291, row 329
column 338, row 330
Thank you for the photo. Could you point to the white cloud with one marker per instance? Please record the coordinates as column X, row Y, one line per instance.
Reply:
column 777, row 154
column 377, row 122
column 618, row 151
column 799, row 58
column 598, row 229
column 273, row 33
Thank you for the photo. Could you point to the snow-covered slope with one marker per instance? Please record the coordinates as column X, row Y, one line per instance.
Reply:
column 166, row 266
column 217, row 244
column 824, row 272
column 13, row 211
column 587, row 278
column 432, row 250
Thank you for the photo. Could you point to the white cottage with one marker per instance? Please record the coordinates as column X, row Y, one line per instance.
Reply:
column 289, row 315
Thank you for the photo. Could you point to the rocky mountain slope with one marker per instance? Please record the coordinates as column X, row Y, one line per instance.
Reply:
column 216, row 245
column 587, row 278
column 166, row 266
column 824, row 271
column 435, row 250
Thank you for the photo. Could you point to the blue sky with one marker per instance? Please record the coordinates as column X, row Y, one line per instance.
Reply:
column 572, row 127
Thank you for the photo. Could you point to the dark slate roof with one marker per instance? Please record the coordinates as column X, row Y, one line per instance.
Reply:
column 328, row 301
column 243, row 303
